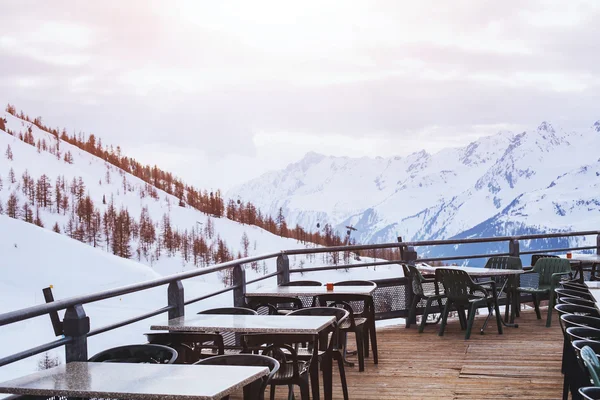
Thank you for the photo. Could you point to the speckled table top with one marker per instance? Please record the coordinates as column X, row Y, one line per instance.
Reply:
column 294, row 291
column 247, row 323
column 136, row 381
column 428, row 269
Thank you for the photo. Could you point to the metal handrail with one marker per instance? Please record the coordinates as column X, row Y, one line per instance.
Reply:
column 34, row 311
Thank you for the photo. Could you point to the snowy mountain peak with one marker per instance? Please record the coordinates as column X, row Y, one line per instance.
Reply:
column 546, row 126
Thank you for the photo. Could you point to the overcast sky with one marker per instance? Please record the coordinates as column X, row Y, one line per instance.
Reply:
column 222, row 91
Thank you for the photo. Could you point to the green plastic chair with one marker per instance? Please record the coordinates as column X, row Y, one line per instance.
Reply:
column 419, row 294
column 550, row 271
column 461, row 293
column 590, row 360
column 508, row 263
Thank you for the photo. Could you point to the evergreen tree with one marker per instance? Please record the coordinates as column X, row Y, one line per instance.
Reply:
column 12, row 206
column 9, row 153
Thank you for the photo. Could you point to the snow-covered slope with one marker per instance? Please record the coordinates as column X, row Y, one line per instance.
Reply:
column 32, row 257
column 548, row 171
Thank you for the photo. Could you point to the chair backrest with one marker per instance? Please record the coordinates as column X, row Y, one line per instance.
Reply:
column 457, row 284
column 574, row 286
column 573, row 294
column 579, row 333
column 280, row 346
column 547, row 266
column 590, row 393
column 356, row 283
column 340, row 314
column 246, row 360
column 189, row 345
column 536, row 257
column 357, row 304
column 416, row 279
column 570, row 320
column 578, row 310
column 590, row 360
column 302, row 283
column 137, row 353
column 273, row 303
column 577, row 301
column 504, row 262
column 229, row 311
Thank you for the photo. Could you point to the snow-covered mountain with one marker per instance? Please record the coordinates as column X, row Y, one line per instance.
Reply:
column 543, row 180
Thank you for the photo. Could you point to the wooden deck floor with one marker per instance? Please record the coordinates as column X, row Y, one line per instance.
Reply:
column 523, row 363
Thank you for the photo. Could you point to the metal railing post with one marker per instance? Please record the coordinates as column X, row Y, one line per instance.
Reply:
column 175, row 298
column 283, row 268
column 76, row 325
column 598, row 244
column 513, row 248
column 239, row 280
column 411, row 256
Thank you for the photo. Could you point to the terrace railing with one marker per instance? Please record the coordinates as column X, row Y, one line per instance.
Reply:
column 392, row 296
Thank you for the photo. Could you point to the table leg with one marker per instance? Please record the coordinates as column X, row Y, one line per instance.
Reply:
column 327, row 367
column 314, row 369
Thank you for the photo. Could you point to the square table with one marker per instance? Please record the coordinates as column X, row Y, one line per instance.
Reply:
column 136, row 381
column 306, row 325
column 483, row 272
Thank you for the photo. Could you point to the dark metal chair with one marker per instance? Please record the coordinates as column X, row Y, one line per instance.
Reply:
column 250, row 393
column 550, row 271
column 577, row 294
column 292, row 370
column 274, row 305
column 417, row 280
column 189, row 345
column 329, row 348
column 368, row 313
column 505, row 284
column 590, row 393
column 361, row 311
column 229, row 311
column 137, row 353
column 307, row 301
column 460, row 291
column 577, row 310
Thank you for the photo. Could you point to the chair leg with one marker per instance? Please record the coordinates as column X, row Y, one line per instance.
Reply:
column 359, row 350
column 413, row 311
column 327, row 368
column 366, row 340
column 314, row 377
column 536, row 304
column 304, row 392
column 565, row 395
column 550, row 307
column 342, row 370
column 424, row 316
column 444, row 318
column 507, row 305
column 461, row 317
column 498, row 317
column 272, row 393
column 470, row 321
column 373, row 338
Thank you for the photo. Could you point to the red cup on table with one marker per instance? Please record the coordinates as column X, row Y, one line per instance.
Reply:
column 569, row 255
column 329, row 286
